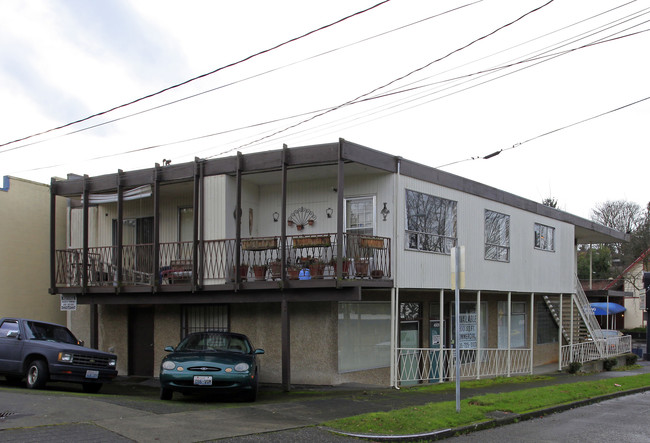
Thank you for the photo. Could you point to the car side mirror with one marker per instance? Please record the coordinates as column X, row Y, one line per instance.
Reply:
column 259, row 351
column 13, row 334
column 169, row 348
column 80, row 342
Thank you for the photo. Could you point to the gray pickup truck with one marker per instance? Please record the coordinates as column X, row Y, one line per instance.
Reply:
column 40, row 352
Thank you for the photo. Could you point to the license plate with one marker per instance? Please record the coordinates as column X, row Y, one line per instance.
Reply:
column 92, row 374
column 203, row 380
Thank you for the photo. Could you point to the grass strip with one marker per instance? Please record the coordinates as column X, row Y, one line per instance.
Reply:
column 475, row 384
column 442, row 415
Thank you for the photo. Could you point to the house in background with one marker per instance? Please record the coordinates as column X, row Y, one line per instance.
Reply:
column 24, row 240
column 630, row 281
column 334, row 258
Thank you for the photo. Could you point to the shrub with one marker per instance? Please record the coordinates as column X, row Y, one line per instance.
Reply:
column 609, row 363
column 574, row 367
column 630, row 359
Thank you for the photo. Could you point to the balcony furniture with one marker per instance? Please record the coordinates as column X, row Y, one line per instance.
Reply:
column 179, row 271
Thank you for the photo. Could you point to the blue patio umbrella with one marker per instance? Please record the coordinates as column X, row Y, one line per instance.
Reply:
column 605, row 308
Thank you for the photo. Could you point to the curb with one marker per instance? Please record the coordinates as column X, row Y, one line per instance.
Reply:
column 502, row 421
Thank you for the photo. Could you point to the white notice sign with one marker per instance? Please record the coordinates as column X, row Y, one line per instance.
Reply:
column 68, row 302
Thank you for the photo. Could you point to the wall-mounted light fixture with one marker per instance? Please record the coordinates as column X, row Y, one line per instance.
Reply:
column 276, row 217
column 329, row 212
column 384, row 212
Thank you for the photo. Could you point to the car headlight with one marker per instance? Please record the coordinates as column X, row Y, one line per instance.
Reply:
column 168, row 365
column 241, row 367
column 112, row 362
column 65, row 357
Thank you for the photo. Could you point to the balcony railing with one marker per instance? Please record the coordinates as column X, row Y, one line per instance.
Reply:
column 307, row 257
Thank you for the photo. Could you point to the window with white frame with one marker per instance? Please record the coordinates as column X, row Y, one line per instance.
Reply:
column 360, row 215
column 544, row 237
column 430, row 222
column 497, row 236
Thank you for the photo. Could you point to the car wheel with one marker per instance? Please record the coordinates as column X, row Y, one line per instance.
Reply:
column 91, row 388
column 166, row 394
column 37, row 374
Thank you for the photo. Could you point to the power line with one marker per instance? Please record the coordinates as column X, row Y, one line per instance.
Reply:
column 539, row 58
column 517, row 145
column 269, row 71
column 391, row 82
column 365, row 99
column 199, row 76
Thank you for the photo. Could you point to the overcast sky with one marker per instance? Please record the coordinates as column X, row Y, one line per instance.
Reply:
column 449, row 82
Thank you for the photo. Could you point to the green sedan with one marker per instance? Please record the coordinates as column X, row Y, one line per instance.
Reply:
column 209, row 363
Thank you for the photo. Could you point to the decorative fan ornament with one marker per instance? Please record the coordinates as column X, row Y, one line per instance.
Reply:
column 301, row 217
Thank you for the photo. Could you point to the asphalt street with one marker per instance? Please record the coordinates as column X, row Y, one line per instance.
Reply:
column 129, row 410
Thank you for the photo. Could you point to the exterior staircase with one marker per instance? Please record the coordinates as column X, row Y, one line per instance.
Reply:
column 580, row 327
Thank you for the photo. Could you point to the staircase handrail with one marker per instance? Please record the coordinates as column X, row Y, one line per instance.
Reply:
column 587, row 314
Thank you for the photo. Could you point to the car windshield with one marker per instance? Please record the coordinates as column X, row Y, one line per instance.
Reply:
column 45, row 331
column 214, row 341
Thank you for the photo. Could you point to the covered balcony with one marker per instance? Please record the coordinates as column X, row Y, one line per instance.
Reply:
column 316, row 260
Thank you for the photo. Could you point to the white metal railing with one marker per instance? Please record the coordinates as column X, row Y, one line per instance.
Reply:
column 582, row 303
column 595, row 350
column 417, row 365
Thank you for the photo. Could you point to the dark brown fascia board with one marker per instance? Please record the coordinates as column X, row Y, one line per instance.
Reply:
column 355, row 153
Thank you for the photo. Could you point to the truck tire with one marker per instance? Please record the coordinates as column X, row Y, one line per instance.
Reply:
column 37, row 374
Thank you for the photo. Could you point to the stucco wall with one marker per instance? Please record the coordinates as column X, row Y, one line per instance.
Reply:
column 24, row 242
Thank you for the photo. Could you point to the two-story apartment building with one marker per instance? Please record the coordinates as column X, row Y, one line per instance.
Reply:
column 334, row 258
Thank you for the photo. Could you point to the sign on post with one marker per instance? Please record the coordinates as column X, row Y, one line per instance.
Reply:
column 68, row 302
column 462, row 267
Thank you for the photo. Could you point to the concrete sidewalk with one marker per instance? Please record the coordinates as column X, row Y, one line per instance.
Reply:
column 129, row 410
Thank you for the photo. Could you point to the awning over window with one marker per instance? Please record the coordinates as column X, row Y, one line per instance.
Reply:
column 130, row 194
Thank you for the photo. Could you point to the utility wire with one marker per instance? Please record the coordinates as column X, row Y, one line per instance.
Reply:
column 199, row 76
column 269, row 71
column 389, row 83
column 517, row 145
column 539, row 58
